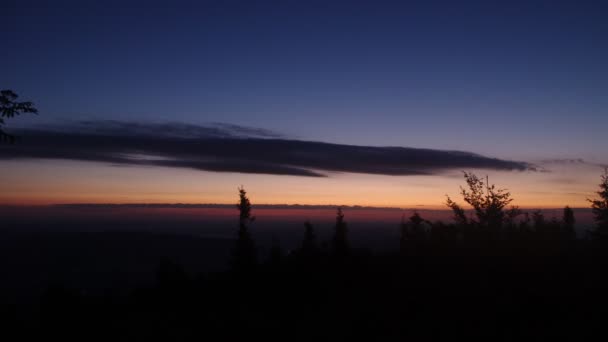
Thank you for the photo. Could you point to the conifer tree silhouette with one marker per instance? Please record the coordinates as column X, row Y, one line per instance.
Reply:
column 10, row 107
column 599, row 207
column 244, row 255
column 340, row 240
column 412, row 229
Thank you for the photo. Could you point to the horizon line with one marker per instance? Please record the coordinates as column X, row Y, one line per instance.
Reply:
column 179, row 205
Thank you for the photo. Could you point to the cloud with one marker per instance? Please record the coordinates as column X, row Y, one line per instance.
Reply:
column 232, row 148
column 169, row 129
column 563, row 161
column 570, row 162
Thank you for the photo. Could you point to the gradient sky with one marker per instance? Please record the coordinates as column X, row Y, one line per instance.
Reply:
column 515, row 80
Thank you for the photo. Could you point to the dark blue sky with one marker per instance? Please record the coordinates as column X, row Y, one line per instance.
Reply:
column 512, row 79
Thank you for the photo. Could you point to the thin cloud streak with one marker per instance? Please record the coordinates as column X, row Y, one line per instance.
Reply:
column 233, row 148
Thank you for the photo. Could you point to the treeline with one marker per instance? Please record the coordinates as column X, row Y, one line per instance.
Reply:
column 494, row 274
column 491, row 218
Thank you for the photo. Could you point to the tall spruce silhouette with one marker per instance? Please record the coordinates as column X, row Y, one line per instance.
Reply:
column 10, row 107
column 244, row 255
column 340, row 243
column 599, row 207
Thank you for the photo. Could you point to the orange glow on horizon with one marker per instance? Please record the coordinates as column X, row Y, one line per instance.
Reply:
column 36, row 182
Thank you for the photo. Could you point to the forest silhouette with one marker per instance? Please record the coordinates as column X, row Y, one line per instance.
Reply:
column 495, row 272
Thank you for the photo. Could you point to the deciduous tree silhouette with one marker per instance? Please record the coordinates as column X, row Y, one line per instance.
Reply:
column 244, row 255
column 459, row 213
column 340, row 240
column 488, row 202
column 10, row 107
column 599, row 206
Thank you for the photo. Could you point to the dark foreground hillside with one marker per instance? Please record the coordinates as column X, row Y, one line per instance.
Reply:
column 97, row 262
column 492, row 289
column 489, row 276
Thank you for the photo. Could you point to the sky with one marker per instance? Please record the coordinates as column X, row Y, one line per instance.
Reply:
column 310, row 102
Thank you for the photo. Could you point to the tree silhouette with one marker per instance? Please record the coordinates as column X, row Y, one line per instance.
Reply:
column 553, row 229
column 413, row 229
column 10, row 107
column 244, row 255
column 510, row 220
column 488, row 202
column 524, row 224
column 568, row 222
column 599, row 207
column 442, row 232
column 539, row 221
column 416, row 220
column 340, row 239
column 459, row 213
column 309, row 243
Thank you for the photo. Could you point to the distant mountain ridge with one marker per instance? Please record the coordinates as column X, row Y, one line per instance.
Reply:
column 217, row 205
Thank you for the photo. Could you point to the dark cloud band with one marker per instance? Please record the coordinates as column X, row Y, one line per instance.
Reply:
column 231, row 148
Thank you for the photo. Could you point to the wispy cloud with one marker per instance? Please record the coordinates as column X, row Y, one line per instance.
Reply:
column 548, row 163
column 233, row 148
